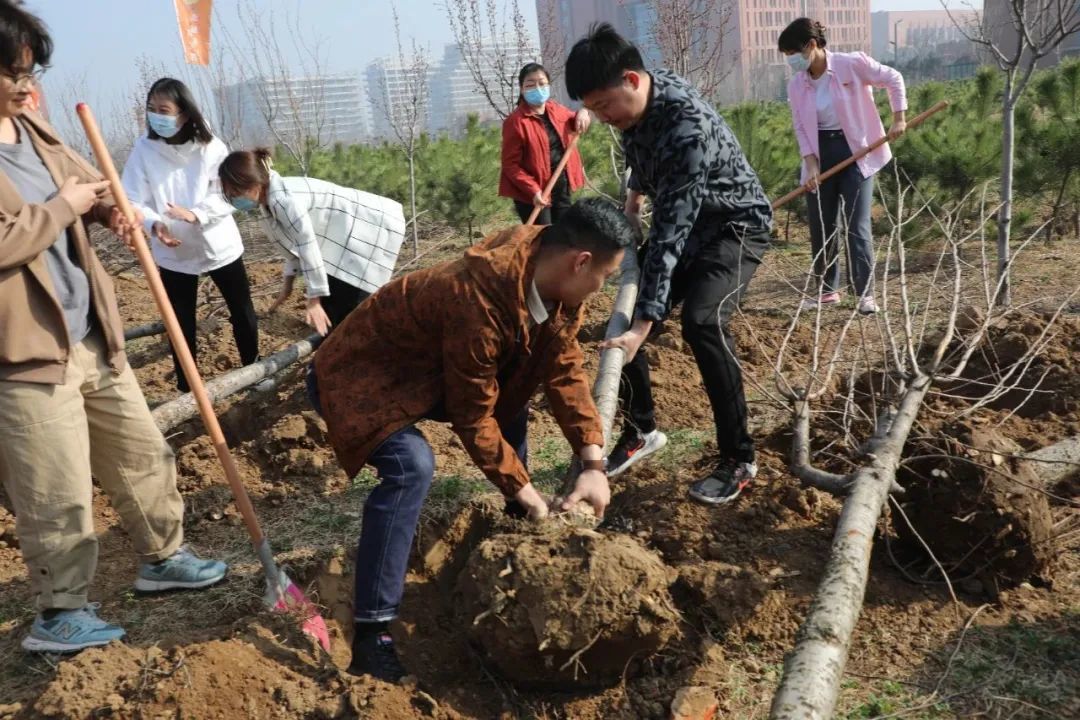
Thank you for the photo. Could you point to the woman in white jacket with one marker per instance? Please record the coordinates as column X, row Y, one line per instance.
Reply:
column 344, row 242
column 171, row 176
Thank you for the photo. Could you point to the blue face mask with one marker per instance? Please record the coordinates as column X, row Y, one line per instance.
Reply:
column 798, row 62
column 243, row 204
column 538, row 95
column 163, row 125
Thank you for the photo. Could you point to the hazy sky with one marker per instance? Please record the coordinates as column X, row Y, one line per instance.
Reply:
column 103, row 44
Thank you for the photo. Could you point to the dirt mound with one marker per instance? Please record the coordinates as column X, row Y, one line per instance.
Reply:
column 979, row 506
column 727, row 593
column 1055, row 368
column 566, row 606
column 254, row 675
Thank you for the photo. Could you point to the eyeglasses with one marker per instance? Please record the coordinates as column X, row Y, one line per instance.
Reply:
column 33, row 76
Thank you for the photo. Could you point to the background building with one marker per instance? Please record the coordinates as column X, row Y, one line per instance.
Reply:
column 391, row 87
column 564, row 22
column 258, row 111
column 752, row 65
column 455, row 93
column 908, row 34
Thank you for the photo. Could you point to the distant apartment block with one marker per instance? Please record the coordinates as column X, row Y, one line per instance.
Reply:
column 455, row 93
column 395, row 91
column 900, row 36
column 261, row 110
column 564, row 22
column 753, row 66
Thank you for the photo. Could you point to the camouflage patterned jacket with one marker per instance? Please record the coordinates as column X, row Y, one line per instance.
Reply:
column 687, row 160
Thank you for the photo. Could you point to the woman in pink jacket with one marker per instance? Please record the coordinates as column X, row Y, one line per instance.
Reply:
column 833, row 110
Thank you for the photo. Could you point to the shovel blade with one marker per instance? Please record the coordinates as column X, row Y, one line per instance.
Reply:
column 286, row 597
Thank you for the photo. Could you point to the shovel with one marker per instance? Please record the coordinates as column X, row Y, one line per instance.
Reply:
column 839, row 167
column 554, row 178
column 282, row 594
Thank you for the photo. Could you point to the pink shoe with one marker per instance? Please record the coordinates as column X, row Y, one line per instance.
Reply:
column 829, row 298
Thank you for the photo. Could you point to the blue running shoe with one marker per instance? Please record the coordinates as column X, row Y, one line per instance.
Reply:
column 182, row 571
column 71, row 631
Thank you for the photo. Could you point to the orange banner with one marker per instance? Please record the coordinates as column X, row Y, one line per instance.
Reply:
column 193, row 16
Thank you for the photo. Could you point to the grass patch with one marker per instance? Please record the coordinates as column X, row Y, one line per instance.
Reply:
column 1030, row 669
column 889, row 697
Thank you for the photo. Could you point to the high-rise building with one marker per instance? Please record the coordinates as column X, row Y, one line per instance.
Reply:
column 395, row 92
column 748, row 57
column 456, row 94
column 564, row 22
column 263, row 111
column 896, row 36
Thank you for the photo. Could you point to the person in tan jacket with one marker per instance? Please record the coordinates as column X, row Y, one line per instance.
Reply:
column 69, row 403
column 466, row 342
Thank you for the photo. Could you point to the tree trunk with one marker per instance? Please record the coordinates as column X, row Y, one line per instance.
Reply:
column 141, row 331
column 608, row 375
column 412, row 200
column 1058, row 205
column 1008, row 142
column 814, row 669
column 174, row 412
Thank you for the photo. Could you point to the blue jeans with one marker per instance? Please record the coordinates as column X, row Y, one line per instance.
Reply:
column 405, row 466
column 842, row 202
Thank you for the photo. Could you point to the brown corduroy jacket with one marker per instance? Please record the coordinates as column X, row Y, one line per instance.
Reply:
column 456, row 336
column 34, row 345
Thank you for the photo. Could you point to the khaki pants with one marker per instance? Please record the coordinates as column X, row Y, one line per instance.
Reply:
column 52, row 438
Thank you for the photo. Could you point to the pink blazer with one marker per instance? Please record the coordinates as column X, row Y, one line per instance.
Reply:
column 852, row 79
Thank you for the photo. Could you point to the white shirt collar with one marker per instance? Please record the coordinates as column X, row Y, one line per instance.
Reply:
column 535, row 303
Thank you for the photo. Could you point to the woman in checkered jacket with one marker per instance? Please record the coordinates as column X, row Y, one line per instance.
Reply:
column 344, row 242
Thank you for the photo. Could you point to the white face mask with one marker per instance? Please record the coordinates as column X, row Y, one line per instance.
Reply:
column 798, row 62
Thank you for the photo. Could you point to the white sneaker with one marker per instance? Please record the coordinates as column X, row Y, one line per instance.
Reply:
column 867, row 306
column 633, row 448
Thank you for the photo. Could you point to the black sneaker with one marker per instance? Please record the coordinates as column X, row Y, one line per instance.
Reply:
column 725, row 483
column 633, row 447
column 375, row 655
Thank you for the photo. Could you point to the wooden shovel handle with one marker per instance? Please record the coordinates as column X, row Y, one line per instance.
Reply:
column 172, row 326
column 554, row 178
column 913, row 123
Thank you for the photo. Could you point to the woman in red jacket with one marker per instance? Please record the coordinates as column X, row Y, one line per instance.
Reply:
column 535, row 136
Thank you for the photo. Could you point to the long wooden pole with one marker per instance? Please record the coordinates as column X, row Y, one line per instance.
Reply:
column 172, row 327
column 554, row 178
column 914, row 123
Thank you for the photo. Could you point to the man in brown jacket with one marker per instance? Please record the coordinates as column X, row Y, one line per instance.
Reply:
column 466, row 342
column 69, row 403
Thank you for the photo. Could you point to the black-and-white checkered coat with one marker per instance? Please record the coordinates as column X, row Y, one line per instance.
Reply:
column 326, row 229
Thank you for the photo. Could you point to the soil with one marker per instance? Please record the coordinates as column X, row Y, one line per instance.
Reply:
column 566, row 607
column 728, row 587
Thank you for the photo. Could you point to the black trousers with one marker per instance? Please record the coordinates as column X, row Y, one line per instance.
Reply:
column 548, row 216
column 342, row 300
column 232, row 281
column 709, row 284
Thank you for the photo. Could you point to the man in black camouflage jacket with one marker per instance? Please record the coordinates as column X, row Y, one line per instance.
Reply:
column 710, row 227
